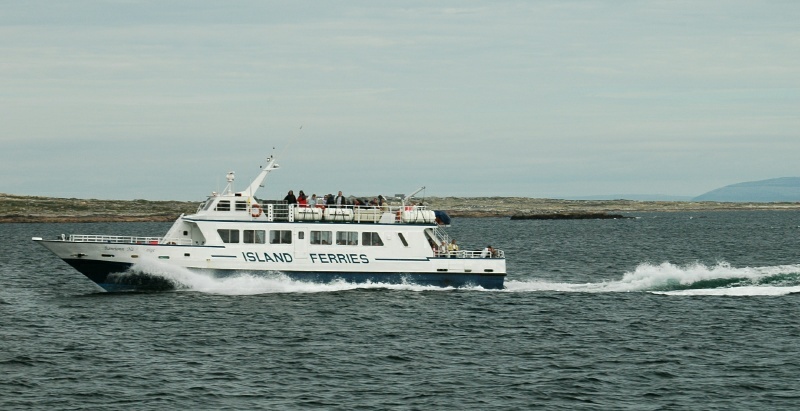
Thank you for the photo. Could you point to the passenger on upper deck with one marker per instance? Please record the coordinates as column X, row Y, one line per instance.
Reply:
column 290, row 198
column 302, row 200
column 340, row 201
column 312, row 202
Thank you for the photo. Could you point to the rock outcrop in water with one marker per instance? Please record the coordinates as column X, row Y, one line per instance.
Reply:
column 569, row 216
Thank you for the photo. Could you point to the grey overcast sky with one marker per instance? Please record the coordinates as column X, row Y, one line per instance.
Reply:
column 159, row 99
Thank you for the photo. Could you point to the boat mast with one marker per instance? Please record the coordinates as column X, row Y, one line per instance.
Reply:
column 408, row 197
column 250, row 191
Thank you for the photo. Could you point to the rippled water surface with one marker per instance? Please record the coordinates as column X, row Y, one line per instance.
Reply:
column 664, row 311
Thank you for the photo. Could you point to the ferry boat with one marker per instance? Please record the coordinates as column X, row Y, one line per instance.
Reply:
column 235, row 233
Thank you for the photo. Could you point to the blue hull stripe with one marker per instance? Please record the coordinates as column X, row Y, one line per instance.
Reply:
column 104, row 274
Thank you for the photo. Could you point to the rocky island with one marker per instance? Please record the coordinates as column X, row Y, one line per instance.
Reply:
column 33, row 209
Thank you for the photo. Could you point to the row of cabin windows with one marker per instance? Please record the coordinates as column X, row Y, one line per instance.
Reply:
column 255, row 236
column 316, row 237
column 225, row 205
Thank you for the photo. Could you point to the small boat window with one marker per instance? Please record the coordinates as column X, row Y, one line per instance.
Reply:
column 223, row 205
column 254, row 236
column 321, row 237
column 241, row 205
column 301, row 235
column 228, row 236
column 403, row 239
column 369, row 238
column 280, row 236
column 346, row 238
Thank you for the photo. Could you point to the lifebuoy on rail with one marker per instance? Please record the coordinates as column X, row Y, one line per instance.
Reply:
column 255, row 210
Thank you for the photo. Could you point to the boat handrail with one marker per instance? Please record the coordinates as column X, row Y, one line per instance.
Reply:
column 468, row 254
column 280, row 211
column 121, row 239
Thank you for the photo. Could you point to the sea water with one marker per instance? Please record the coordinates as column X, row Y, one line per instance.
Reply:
column 662, row 311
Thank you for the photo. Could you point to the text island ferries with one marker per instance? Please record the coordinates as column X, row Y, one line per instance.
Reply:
column 234, row 233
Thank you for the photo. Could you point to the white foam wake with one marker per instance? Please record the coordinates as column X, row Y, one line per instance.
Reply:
column 747, row 291
column 670, row 279
column 246, row 283
column 665, row 278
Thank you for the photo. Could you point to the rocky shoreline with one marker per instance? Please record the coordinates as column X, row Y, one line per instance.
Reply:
column 31, row 209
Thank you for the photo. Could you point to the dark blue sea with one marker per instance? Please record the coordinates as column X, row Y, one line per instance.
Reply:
column 664, row 311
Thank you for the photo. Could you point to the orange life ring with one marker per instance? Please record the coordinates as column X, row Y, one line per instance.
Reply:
column 255, row 210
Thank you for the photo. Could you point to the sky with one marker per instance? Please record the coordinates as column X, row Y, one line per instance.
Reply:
column 158, row 100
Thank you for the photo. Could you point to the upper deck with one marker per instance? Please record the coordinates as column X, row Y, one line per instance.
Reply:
column 244, row 206
column 246, row 209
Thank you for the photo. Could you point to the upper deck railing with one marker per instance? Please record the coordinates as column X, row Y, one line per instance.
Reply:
column 120, row 239
column 282, row 212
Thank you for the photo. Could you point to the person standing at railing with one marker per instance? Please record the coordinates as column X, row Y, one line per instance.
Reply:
column 312, row 202
column 290, row 198
column 487, row 252
column 340, row 201
column 452, row 248
column 302, row 200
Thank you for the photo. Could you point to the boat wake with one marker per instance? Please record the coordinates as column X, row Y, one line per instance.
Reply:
column 248, row 283
column 665, row 278
column 695, row 279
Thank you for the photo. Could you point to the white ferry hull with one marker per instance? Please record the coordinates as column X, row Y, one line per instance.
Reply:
column 125, row 266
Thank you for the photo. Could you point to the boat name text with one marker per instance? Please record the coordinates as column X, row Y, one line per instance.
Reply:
column 252, row 256
column 339, row 258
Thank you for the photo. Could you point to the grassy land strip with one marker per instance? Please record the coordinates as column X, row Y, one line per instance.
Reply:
column 27, row 209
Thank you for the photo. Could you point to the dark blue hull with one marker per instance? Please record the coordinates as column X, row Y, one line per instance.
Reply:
column 118, row 277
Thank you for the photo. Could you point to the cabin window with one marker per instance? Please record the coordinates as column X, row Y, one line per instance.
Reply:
column 370, row 238
column 241, row 205
column 223, row 205
column 254, row 236
column 346, row 238
column 403, row 239
column 301, row 235
column 280, row 236
column 208, row 204
column 228, row 236
column 321, row 237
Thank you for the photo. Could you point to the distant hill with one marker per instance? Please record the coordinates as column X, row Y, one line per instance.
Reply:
column 775, row 190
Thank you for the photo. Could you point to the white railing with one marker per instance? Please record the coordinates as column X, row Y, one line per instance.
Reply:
column 349, row 213
column 121, row 239
column 468, row 254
